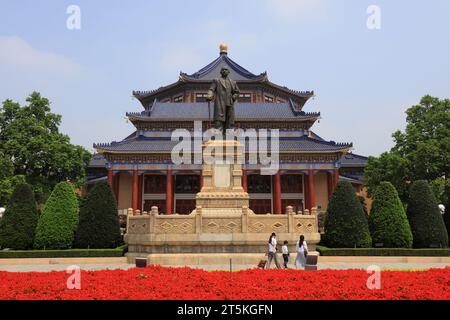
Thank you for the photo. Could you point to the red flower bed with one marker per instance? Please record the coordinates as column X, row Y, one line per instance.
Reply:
column 189, row 284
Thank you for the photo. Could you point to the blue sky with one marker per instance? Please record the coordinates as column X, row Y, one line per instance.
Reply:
column 364, row 79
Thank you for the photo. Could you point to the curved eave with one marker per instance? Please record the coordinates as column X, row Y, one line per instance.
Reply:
column 340, row 150
column 149, row 119
column 150, row 95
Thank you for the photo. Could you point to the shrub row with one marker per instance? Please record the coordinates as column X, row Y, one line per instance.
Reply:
column 421, row 226
column 69, row 253
column 63, row 223
column 388, row 252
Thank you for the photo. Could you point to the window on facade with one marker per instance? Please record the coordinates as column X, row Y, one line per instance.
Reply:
column 258, row 183
column 261, row 206
column 291, row 183
column 245, row 97
column 280, row 101
column 166, row 100
column 187, row 184
column 201, row 97
column 178, row 99
column 155, row 184
column 268, row 99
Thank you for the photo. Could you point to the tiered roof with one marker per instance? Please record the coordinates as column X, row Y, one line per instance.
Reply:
column 243, row 112
column 212, row 71
column 143, row 144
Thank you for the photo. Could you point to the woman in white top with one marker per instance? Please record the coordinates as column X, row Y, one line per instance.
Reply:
column 272, row 254
column 302, row 252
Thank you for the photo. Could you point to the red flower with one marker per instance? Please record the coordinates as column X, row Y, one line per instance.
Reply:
column 159, row 283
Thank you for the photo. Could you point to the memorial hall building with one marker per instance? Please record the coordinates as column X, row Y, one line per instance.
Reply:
column 142, row 174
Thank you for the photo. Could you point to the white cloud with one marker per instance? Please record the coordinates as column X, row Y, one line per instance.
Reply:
column 295, row 9
column 17, row 53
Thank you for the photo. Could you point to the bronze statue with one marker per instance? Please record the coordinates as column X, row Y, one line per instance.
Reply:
column 226, row 92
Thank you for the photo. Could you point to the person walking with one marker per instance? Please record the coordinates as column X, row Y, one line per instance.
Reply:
column 272, row 254
column 302, row 252
column 285, row 250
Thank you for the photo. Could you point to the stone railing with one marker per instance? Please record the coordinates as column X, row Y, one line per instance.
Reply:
column 198, row 223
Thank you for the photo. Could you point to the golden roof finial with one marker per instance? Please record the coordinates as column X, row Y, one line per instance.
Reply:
column 223, row 48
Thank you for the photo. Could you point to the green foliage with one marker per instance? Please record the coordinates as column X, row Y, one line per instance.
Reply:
column 384, row 252
column 447, row 212
column 59, row 220
column 426, row 140
column 427, row 224
column 17, row 227
column 438, row 187
column 422, row 152
column 30, row 139
column 388, row 223
column 99, row 224
column 391, row 167
column 345, row 224
column 362, row 200
column 71, row 253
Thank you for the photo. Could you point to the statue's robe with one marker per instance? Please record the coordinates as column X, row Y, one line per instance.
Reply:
column 224, row 89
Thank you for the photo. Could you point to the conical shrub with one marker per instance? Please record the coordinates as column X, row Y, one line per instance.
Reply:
column 388, row 222
column 18, row 225
column 59, row 220
column 425, row 219
column 346, row 225
column 99, row 224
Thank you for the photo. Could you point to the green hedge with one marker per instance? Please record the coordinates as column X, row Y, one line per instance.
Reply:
column 71, row 253
column 385, row 252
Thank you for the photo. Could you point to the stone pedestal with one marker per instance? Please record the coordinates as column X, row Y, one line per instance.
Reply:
column 222, row 222
column 222, row 191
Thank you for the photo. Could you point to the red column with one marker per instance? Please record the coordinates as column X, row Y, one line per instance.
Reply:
column 277, row 193
column 306, row 186
column 244, row 180
column 312, row 192
column 117, row 186
column 140, row 179
column 169, row 192
column 135, row 189
column 336, row 177
column 111, row 178
column 330, row 184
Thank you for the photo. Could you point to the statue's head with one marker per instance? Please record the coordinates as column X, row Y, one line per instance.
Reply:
column 224, row 72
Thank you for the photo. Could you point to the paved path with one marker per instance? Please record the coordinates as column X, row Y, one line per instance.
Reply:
column 125, row 266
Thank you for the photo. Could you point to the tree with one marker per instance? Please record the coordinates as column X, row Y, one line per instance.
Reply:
column 17, row 227
column 99, row 224
column 426, row 140
column 388, row 222
column 30, row 139
column 345, row 224
column 59, row 220
column 390, row 166
column 422, row 152
column 425, row 219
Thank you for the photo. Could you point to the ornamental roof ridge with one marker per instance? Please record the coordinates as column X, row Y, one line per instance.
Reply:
column 209, row 72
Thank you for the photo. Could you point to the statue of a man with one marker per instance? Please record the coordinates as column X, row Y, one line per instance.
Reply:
column 226, row 92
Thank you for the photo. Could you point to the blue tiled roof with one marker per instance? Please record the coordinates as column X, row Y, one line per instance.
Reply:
column 353, row 160
column 243, row 111
column 212, row 71
column 142, row 144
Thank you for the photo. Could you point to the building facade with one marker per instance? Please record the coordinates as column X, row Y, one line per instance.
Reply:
column 140, row 167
